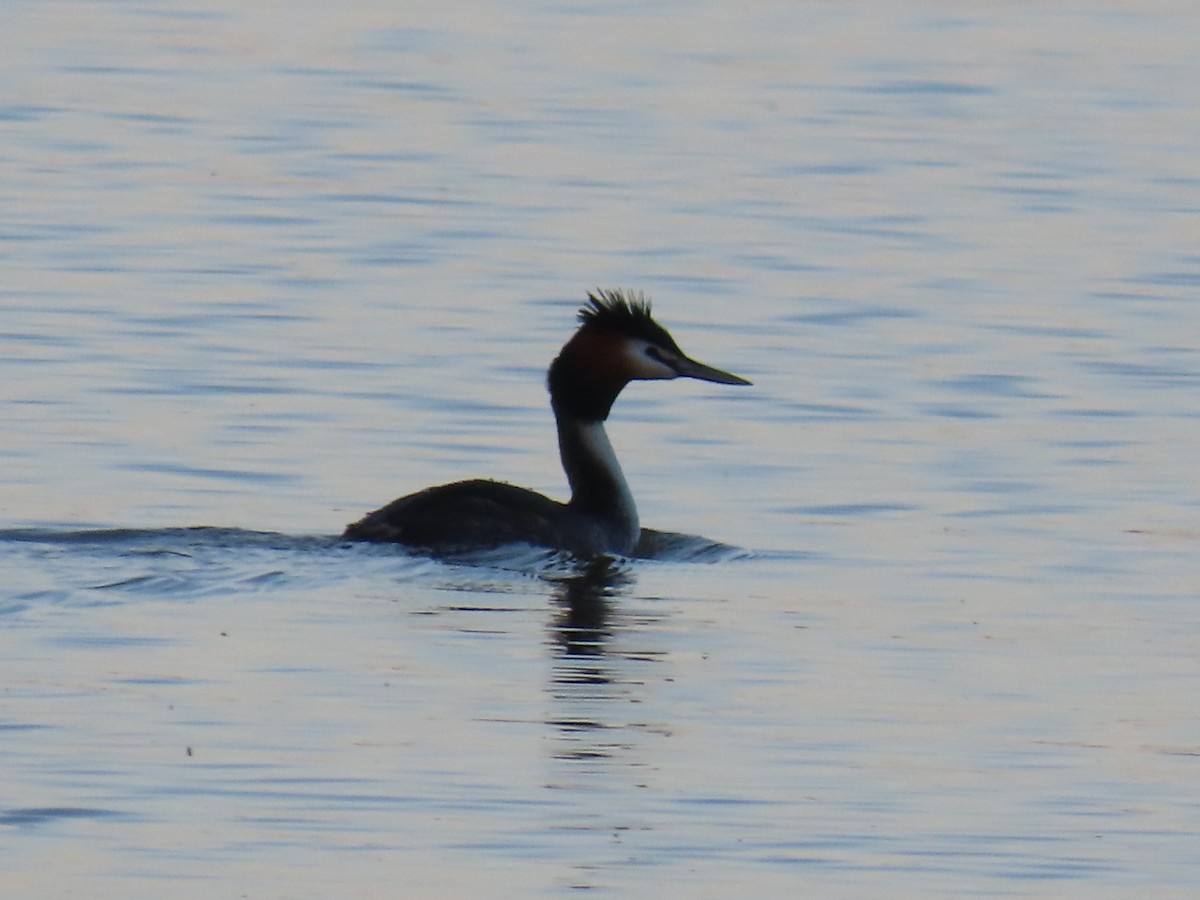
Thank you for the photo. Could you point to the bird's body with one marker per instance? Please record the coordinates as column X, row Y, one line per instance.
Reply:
column 617, row 342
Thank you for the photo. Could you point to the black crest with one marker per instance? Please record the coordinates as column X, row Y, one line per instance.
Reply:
column 627, row 315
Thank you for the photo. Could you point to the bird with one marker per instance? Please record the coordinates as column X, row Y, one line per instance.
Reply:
column 617, row 341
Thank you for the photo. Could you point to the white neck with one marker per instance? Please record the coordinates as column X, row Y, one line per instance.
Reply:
column 598, row 486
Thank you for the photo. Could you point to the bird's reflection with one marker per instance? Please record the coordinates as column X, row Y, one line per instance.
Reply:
column 581, row 626
column 590, row 677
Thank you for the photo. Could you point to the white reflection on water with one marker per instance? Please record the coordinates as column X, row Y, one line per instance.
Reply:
column 268, row 271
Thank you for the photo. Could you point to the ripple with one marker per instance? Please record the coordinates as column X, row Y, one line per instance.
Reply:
column 40, row 815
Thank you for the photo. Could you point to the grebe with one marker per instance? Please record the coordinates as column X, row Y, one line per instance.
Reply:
column 617, row 341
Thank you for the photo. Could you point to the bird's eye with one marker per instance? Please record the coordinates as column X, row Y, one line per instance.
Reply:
column 661, row 356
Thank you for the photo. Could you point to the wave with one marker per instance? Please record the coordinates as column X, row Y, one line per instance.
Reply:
column 662, row 546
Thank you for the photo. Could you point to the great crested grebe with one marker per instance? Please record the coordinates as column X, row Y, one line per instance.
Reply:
column 617, row 342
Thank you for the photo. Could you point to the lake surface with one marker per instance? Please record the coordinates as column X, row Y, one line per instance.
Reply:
column 266, row 268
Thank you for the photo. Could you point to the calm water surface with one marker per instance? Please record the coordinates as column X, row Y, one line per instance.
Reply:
column 265, row 269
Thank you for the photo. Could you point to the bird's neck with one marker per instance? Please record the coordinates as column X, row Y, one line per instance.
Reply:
column 598, row 486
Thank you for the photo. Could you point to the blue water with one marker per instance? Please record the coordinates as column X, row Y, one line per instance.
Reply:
column 266, row 269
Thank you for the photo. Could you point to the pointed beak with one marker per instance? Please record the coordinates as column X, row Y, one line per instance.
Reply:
column 689, row 368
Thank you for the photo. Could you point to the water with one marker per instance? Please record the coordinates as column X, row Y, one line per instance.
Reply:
column 265, row 269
